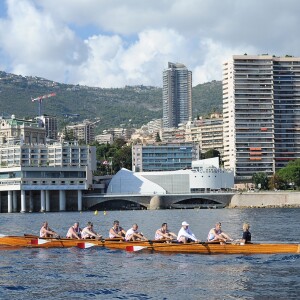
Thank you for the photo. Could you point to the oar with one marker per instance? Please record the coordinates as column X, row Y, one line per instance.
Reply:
column 39, row 241
column 85, row 245
column 135, row 248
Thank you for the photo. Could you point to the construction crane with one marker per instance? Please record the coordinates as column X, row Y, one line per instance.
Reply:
column 40, row 99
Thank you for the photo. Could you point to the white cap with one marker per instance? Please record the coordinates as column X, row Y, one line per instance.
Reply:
column 184, row 223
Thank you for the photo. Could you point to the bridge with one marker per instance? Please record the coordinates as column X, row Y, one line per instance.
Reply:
column 154, row 201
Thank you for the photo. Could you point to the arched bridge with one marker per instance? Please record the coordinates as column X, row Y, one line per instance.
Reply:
column 154, row 201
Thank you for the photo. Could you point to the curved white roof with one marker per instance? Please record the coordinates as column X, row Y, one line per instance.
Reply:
column 128, row 182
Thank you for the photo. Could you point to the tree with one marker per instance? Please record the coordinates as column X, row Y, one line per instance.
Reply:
column 157, row 138
column 276, row 183
column 261, row 180
column 111, row 158
column 211, row 153
column 291, row 174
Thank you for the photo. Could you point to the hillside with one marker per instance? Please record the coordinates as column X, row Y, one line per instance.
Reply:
column 114, row 106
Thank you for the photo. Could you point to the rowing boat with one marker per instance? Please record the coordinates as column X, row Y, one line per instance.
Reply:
column 157, row 246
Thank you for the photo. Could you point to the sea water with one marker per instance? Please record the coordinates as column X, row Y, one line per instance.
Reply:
column 99, row 273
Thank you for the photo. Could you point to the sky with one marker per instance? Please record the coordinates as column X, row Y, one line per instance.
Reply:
column 113, row 43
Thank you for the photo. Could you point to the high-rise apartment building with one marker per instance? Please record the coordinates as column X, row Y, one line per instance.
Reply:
column 261, row 113
column 177, row 95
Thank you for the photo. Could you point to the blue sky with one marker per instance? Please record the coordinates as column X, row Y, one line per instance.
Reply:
column 116, row 43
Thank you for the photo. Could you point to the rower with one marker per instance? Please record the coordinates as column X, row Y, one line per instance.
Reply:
column 74, row 231
column 132, row 234
column 217, row 235
column 117, row 231
column 185, row 235
column 164, row 233
column 47, row 232
column 89, row 233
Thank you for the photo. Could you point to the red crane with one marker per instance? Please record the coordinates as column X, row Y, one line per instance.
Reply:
column 40, row 99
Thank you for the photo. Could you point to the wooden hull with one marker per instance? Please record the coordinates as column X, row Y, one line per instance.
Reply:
column 36, row 242
column 200, row 248
column 210, row 248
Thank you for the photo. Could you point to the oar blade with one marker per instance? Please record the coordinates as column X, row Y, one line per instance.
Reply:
column 85, row 245
column 134, row 248
column 38, row 242
column 2, row 235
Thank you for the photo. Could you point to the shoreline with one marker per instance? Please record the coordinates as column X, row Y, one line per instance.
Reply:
column 265, row 200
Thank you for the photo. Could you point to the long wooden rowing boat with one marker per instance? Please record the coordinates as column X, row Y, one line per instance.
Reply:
column 159, row 246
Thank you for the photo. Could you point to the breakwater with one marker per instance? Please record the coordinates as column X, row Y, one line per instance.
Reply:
column 265, row 199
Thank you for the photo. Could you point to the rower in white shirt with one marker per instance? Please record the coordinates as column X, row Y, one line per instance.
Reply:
column 185, row 235
column 132, row 234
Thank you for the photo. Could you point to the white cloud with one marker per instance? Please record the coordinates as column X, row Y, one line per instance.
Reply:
column 132, row 41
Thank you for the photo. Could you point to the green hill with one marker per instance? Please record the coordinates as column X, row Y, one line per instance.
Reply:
column 131, row 106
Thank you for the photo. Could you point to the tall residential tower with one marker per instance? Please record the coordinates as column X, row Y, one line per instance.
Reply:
column 177, row 95
column 261, row 113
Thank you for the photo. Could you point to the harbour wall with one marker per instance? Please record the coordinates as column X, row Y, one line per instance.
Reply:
column 265, row 199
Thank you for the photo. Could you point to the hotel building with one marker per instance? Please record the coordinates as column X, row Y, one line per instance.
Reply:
column 261, row 112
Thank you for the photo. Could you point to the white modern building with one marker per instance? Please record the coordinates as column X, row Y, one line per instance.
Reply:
column 41, row 177
column 205, row 176
column 261, row 113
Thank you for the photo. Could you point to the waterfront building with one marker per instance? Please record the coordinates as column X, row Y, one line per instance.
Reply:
column 45, row 177
column 14, row 130
column 164, row 156
column 261, row 111
column 177, row 95
column 204, row 176
column 82, row 132
column 50, row 125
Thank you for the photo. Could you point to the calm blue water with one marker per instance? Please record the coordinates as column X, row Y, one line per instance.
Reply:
column 98, row 273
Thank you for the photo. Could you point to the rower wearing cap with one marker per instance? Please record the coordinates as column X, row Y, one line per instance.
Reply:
column 89, row 233
column 217, row 235
column 185, row 235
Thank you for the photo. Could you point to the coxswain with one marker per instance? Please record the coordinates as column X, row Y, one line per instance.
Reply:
column 246, row 234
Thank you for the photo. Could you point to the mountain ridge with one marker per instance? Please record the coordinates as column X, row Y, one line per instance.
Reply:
column 131, row 105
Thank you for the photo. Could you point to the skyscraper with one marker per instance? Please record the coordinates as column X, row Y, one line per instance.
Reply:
column 261, row 113
column 177, row 95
